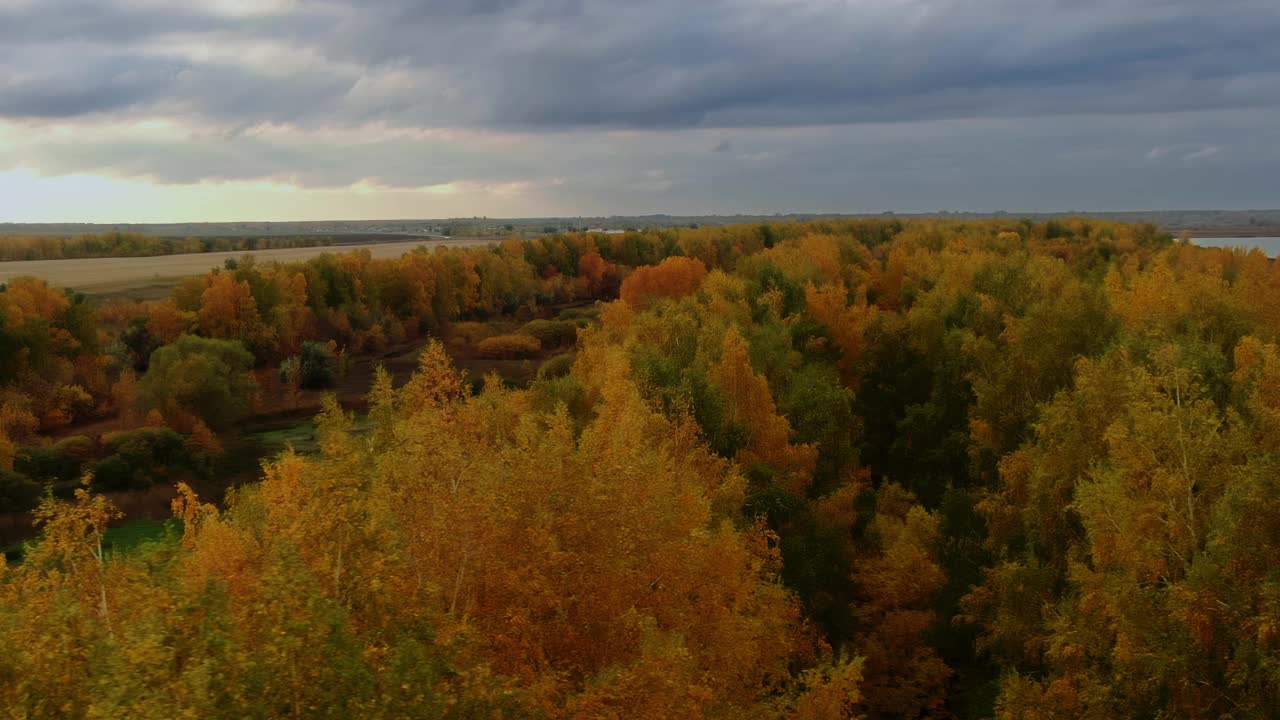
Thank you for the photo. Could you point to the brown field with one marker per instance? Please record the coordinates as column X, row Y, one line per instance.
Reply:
column 150, row 277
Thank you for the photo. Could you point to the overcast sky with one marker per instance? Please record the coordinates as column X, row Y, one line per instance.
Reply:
column 169, row 110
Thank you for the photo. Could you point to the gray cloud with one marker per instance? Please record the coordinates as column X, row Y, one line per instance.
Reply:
column 553, row 64
column 666, row 105
column 1096, row 162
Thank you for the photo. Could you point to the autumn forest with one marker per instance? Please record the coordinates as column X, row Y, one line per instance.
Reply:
column 859, row 468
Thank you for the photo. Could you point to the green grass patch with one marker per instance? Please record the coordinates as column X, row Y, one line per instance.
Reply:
column 132, row 535
column 300, row 436
column 124, row 538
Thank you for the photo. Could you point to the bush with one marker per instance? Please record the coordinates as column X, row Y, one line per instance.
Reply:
column 116, row 473
column 509, row 347
column 48, row 464
column 557, row 366
column 552, row 333
column 291, row 370
column 317, row 366
column 141, row 458
column 548, row 393
column 154, row 444
column 472, row 332
column 581, row 316
column 18, row 493
column 79, row 445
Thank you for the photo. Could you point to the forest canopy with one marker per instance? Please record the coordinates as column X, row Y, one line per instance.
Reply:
column 857, row 468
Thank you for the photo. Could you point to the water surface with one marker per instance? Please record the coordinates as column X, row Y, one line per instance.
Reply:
column 1268, row 245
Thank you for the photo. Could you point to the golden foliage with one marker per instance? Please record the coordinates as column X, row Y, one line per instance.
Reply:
column 509, row 347
column 672, row 278
column 227, row 308
column 751, row 404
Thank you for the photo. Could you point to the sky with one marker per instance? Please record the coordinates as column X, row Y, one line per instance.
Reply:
column 223, row 110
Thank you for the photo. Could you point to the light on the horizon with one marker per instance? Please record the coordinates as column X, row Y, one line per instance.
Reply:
column 28, row 197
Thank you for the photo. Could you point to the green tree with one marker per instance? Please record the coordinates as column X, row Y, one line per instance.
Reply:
column 201, row 377
column 317, row 365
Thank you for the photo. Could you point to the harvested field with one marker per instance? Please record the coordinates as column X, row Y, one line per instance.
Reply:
column 152, row 276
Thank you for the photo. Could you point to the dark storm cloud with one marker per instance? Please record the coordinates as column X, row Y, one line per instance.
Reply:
column 110, row 83
column 79, row 22
column 553, row 64
column 1097, row 162
column 664, row 105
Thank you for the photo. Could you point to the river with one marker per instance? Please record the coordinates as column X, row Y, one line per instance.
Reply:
column 1268, row 245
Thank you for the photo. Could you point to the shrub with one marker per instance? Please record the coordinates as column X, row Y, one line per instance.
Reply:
column 18, row 493
column 116, row 473
column 141, row 458
column 291, row 370
column 317, row 366
column 48, row 464
column 548, row 393
column 159, row 445
column 552, row 333
column 470, row 331
column 581, row 316
column 203, row 447
column 509, row 347
column 79, row 445
column 557, row 366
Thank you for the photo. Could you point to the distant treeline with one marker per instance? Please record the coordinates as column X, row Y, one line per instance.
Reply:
column 119, row 244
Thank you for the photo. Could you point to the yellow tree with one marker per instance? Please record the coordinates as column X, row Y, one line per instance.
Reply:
column 166, row 322
column 848, row 323
column 227, row 308
column 902, row 675
column 751, row 404
column 57, row 608
column 672, row 278
column 26, row 299
column 628, row 591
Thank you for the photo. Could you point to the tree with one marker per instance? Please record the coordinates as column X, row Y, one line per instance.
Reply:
column 902, row 676
column 317, row 366
column 124, row 395
column 25, row 299
column 820, row 410
column 165, row 323
column 228, row 310
column 751, row 406
column 18, row 493
column 672, row 278
column 469, row 477
column 200, row 377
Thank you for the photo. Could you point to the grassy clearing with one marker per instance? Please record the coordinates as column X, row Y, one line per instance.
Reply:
column 274, row 437
column 301, row 436
column 134, row 534
column 124, row 538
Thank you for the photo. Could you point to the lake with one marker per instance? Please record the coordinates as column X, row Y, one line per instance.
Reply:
column 1268, row 245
